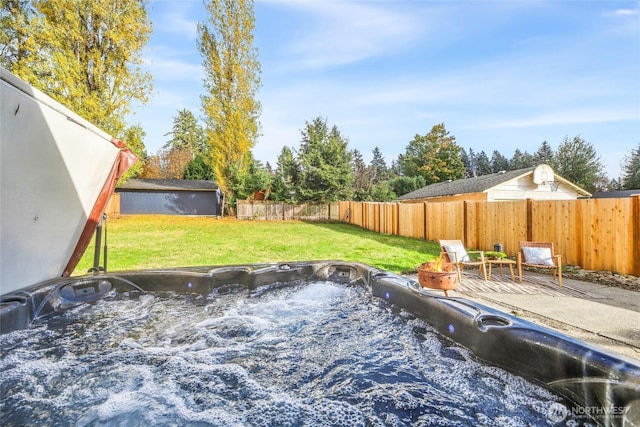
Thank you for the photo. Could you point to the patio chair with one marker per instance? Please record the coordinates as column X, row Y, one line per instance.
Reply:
column 455, row 252
column 539, row 255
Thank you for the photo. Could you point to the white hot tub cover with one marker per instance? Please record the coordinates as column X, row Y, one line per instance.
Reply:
column 57, row 173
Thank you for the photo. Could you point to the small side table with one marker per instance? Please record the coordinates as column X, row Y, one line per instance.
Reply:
column 501, row 262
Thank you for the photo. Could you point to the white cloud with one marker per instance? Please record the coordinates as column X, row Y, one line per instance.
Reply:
column 627, row 12
column 569, row 116
column 337, row 33
column 174, row 20
column 174, row 70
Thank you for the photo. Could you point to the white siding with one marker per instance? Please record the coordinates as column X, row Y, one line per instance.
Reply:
column 524, row 188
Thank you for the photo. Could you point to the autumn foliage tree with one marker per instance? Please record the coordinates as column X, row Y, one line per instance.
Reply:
column 232, row 78
column 15, row 16
column 134, row 137
column 434, row 156
column 86, row 54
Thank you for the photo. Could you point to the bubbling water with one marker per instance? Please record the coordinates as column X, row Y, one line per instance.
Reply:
column 308, row 354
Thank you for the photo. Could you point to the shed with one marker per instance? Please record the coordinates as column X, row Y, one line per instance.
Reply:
column 537, row 183
column 169, row 196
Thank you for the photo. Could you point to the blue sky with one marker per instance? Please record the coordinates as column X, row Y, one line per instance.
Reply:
column 501, row 75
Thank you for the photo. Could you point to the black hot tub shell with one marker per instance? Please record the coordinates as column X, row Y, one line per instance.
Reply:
column 585, row 375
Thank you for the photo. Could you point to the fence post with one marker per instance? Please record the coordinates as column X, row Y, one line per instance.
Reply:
column 529, row 220
column 465, row 223
column 426, row 211
column 397, row 230
column 635, row 241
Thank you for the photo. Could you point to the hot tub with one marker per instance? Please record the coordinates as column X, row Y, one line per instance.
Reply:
column 408, row 357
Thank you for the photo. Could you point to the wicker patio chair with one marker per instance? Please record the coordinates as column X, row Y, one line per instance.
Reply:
column 455, row 252
column 539, row 255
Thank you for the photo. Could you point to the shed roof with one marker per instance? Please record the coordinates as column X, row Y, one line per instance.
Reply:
column 140, row 184
column 475, row 184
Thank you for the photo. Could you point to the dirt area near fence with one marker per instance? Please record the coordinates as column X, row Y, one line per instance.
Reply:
column 627, row 282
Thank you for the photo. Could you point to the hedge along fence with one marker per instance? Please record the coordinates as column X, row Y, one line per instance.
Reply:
column 286, row 211
column 596, row 234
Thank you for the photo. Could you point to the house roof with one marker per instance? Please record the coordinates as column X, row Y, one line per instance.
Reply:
column 615, row 194
column 139, row 184
column 475, row 184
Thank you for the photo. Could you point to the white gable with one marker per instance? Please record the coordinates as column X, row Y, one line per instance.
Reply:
column 524, row 188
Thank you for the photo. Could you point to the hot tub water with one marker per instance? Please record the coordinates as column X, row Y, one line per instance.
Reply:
column 310, row 354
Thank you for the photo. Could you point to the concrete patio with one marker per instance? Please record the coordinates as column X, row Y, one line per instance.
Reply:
column 604, row 316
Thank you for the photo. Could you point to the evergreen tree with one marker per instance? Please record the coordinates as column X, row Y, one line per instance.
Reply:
column 394, row 169
column 187, row 133
column 285, row 181
column 325, row 164
column 380, row 171
column 521, row 160
column 544, row 154
column 483, row 166
column 631, row 170
column 499, row 162
column 616, row 185
column 577, row 161
column 468, row 162
column 199, row 169
column 246, row 180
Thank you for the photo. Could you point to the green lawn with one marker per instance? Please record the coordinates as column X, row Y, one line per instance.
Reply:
column 150, row 241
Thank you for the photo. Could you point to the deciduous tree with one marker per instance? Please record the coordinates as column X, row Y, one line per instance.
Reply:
column 434, row 156
column 362, row 177
column 406, row 184
column 86, row 54
column 134, row 139
column 382, row 192
column 167, row 164
column 175, row 162
column 15, row 19
column 232, row 78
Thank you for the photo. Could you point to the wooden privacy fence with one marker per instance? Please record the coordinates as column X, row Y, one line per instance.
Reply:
column 596, row 234
column 286, row 211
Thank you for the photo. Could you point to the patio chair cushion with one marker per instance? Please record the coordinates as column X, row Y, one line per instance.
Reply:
column 537, row 256
column 460, row 253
